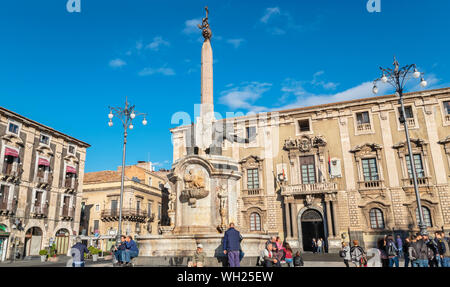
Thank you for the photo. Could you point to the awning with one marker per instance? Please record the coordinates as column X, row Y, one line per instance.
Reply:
column 11, row 152
column 43, row 161
column 70, row 169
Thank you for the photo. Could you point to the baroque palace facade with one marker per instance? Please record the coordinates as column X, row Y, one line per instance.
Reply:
column 145, row 201
column 41, row 176
column 340, row 171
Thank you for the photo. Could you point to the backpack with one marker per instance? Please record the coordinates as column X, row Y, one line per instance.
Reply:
column 342, row 253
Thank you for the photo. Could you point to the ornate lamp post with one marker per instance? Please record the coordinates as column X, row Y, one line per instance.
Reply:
column 397, row 77
column 126, row 115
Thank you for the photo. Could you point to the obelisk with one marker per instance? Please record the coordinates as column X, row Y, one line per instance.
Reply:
column 205, row 121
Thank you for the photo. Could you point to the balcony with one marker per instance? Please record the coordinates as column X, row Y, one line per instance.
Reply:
column 252, row 192
column 313, row 188
column 71, row 184
column 68, row 213
column 44, row 180
column 128, row 214
column 11, row 173
column 411, row 122
column 40, row 211
column 423, row 183
column 373, row 184
column 8, row 208
column 363, row 127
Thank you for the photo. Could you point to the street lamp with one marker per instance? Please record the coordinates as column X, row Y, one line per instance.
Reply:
column 126, row 115
column 397, row 78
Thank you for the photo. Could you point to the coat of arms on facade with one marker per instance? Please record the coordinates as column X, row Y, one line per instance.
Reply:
column 194, row 186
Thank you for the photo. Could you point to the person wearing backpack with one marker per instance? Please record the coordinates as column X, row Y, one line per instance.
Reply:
column 358, row 255
column 392, row 251
column 344, row 253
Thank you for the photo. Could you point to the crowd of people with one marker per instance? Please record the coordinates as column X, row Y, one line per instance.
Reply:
column 277, row 254
column 418, row 250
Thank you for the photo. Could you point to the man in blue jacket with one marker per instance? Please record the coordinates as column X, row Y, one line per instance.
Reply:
column 232, row 245
column 131, row 250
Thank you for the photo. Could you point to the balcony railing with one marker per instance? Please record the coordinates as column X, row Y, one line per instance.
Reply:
column 7, row 208
column 373, row 184
column 71, row 184
column 252, row 192
column 44, row 179
column 364, row 127
column 12, row 173
column 411, row 122
column 40, row 211
column 421, row 181
column 68, row 213
column 309, row 188
column 130, row 214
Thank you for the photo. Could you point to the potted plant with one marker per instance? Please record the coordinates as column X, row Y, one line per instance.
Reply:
column 43, row 253
column 94, row 252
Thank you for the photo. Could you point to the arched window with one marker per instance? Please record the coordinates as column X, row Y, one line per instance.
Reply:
column 255, row 222
column 426, row 216
column 376, row 218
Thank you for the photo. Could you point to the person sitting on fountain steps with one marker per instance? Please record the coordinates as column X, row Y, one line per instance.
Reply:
column 131, row 250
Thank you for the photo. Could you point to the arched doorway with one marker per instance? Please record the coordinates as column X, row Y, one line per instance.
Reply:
column 62, row 241
column 312, row 227
column 33, row 241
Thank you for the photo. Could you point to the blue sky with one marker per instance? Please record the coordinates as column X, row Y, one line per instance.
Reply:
column 64, row 69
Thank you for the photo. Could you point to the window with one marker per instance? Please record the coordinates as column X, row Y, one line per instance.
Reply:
column 447, row 107
column 72, row 149
column 370, row 171
column 4, row 195
column 44, row 139
column 159, row 211
column 149, row 209
column 13, row 128
column 426, row 216
column 420, row 172
column 303, row 126
column 255, row 222
column 376, row 219
column 363, row 118
column 97, row 207
column 138, row 206
column 250, row 133
column 308, row 169
column 252, row 178
column 150, row 181
column 96, row 226
column 408, row 112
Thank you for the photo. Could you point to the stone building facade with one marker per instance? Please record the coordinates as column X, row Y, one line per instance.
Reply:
column 340, row 171
column 41, row 176
column 145, row 202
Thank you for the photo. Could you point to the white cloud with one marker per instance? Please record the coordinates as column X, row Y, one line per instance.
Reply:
column 304, row 98
column 157, row 43
column 268, row 13
column 152, row 71
column 243, row 96
column 117, row 63
column 235, row 42
column 190, row 26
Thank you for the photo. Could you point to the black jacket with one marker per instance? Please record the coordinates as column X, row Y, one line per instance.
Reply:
column 298, row 261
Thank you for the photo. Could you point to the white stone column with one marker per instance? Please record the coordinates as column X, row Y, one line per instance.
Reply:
column 436, row 154
column 389, row 153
